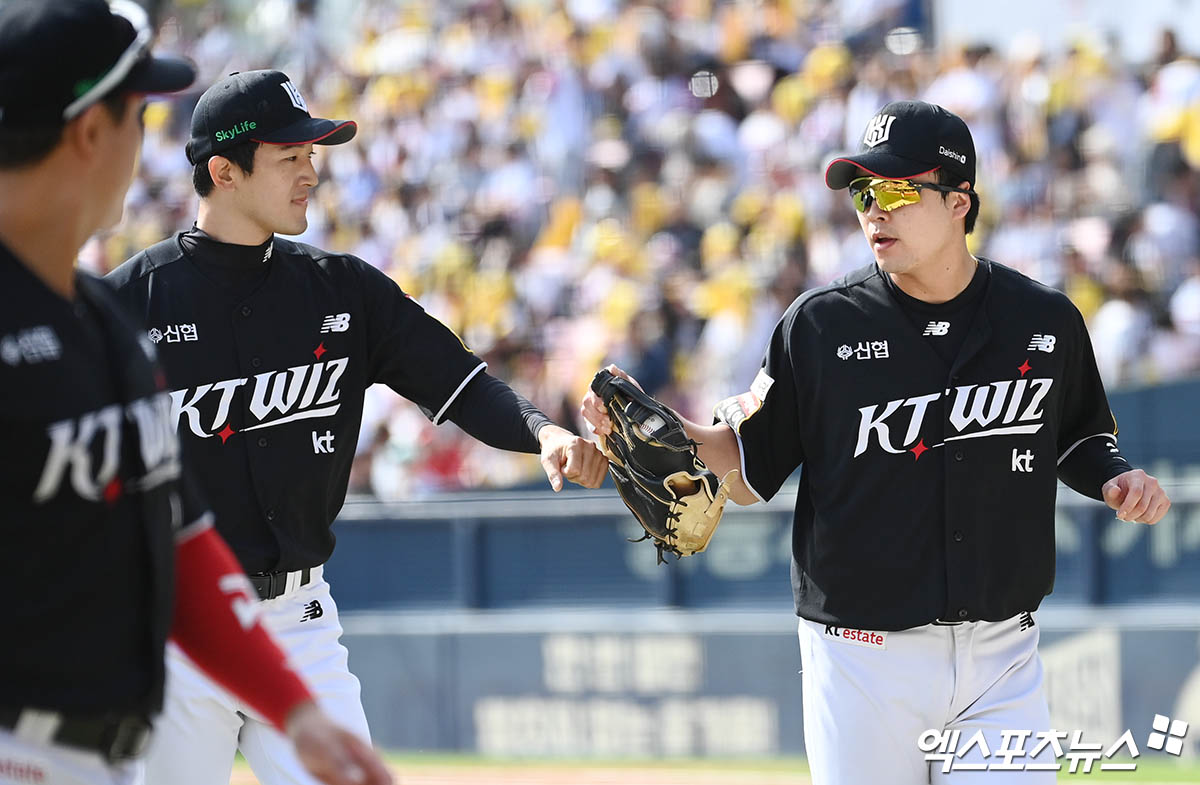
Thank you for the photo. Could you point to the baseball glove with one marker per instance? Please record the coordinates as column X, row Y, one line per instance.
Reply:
column 657, row 471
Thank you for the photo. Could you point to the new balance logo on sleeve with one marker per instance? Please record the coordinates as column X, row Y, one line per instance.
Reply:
column 1041, row 343
column 336, row 323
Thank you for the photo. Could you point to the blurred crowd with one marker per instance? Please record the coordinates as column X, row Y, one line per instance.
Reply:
column 568, row 183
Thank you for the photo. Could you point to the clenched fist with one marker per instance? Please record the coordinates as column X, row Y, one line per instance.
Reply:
column 566, row 455
column 1137, row 497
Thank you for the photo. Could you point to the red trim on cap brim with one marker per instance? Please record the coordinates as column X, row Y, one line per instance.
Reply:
column 868, row 171
column 309, row 141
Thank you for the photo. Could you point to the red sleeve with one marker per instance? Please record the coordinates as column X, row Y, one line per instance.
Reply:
column 216, row 625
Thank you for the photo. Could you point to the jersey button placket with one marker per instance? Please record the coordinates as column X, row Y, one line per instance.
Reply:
column 247, row 310
column 959, row 455
column 262, row 441
column 958, row 536
column 255, row 362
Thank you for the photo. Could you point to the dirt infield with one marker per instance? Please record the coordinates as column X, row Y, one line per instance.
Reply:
column 509, row 774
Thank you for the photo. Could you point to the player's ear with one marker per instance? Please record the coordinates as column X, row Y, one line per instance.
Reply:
column 84, row 135
column 221, row 170
column 961, row 201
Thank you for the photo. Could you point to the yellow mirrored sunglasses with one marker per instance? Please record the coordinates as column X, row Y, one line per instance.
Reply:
column 892, row 194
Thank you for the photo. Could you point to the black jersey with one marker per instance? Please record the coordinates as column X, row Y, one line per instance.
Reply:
column 927, row 491
column 89, row 500
column 268, row 372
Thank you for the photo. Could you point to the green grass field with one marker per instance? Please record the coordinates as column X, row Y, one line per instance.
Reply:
column 422, row 769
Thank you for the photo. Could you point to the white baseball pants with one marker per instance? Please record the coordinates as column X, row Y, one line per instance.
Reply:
column 202, row 725
column 868, row 698
column 27, row 762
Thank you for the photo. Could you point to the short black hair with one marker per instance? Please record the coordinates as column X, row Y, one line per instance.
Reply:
column 240, row 155
column 946, row 177
column 21, row 147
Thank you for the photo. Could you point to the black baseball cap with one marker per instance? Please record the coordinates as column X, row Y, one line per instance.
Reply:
column 59, row 57
column 258, row 106
column 906, row 139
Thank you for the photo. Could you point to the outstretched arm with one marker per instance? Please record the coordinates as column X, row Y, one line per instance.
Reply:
column 500, row 417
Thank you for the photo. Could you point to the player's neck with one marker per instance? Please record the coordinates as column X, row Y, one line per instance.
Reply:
column 229, row 226
column 44, row 225
column 940, row 279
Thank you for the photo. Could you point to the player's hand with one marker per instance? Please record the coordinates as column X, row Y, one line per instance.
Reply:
column 566, row 455
column 1137, row 497
column 331, row 753
column 593, row 409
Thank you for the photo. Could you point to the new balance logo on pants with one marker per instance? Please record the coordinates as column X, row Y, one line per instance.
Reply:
column 312, row 611
column 1026, row 621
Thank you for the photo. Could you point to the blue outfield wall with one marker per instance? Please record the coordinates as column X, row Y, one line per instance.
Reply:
column 541, row 551
column 709, row 684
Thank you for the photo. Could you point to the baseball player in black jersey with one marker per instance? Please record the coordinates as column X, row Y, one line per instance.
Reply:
column 269, row 346
column 107, row 546
column 933, row 399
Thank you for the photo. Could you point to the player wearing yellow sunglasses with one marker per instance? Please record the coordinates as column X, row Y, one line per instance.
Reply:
column 892, row 194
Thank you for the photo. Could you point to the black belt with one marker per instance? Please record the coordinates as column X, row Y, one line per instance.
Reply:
column 270, row 585
column 115, row 737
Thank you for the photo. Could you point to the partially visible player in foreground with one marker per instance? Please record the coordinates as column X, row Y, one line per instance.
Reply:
column 269, row 346
column 934, row 400
column 106, row 551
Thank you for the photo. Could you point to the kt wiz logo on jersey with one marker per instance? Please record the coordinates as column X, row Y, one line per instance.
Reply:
column 86, row 451
column 976, row 411
column 275, row 398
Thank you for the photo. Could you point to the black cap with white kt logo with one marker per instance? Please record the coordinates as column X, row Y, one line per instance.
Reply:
column 906, row 139
column 258, row 106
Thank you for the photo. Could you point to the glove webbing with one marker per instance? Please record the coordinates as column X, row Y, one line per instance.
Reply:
column 616, row 465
